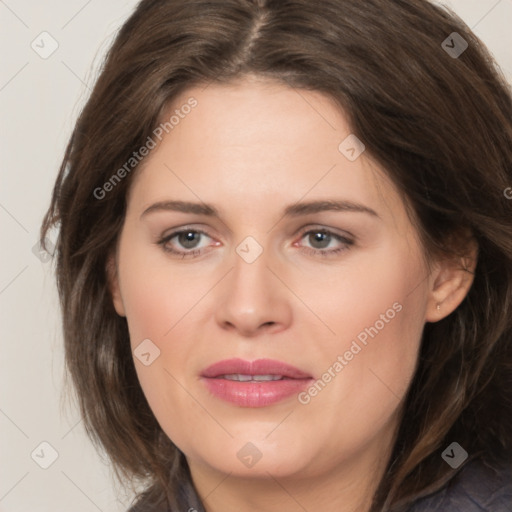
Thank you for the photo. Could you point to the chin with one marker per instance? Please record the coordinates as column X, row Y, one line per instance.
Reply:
column 259, row 459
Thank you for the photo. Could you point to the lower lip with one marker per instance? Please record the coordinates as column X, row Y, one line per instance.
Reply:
column 255, row 394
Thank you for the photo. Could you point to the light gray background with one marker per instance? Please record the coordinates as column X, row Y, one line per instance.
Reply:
column 39, row 102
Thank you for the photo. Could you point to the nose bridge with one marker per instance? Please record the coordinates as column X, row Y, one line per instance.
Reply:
column 250, row 276
column 252, row 296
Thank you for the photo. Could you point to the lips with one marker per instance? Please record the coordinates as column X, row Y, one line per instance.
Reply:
column 254, row 383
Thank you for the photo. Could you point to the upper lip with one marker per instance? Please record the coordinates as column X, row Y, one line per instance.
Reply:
column 257, row 367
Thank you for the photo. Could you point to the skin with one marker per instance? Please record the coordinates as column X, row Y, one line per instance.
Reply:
column 250, row 149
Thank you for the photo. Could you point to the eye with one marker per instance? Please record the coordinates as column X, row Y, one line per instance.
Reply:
column 321, row 239
column 188, row 239
column 187, row 242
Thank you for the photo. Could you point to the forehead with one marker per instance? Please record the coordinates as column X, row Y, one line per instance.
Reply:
column 258, row 140
column 260, row 118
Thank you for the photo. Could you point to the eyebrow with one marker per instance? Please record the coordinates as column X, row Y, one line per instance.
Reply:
column 293, row 210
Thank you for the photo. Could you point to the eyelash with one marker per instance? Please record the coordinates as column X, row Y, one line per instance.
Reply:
column 314, row 252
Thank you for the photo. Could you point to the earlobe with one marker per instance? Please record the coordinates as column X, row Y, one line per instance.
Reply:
column 113, row 285
column 451, row 283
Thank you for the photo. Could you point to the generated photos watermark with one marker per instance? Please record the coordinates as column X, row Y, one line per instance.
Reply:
column 454, row 455
column 151, row 143
column 343, row 360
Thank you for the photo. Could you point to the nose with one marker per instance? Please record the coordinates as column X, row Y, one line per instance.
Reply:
column 253, row 299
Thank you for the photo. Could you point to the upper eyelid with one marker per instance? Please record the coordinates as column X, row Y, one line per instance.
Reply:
column 302, row 232
column 309, row 227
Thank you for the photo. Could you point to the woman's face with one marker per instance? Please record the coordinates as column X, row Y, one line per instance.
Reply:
column 268, row 268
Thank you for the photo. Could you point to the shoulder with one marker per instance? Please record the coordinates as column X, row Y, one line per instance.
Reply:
column 475, row 488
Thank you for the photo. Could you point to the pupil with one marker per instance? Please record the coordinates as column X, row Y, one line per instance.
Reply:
column 187, row 239
column 320, row 237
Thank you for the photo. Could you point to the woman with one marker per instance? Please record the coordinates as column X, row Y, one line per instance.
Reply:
column 284, row 258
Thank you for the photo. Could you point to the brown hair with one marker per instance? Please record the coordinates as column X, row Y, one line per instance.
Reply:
column 442, row 128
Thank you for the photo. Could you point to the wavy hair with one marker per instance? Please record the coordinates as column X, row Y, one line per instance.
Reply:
column 441, row 127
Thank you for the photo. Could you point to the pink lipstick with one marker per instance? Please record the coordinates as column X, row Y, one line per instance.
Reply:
column 254, row 384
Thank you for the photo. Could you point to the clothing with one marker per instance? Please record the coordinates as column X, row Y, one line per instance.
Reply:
column 474, row 488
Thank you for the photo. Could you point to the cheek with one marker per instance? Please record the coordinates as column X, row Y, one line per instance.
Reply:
column 380, row 293
column 378, row 333
column 156, row 310
column 376, row 310
column 155, row 297
column 158, row 304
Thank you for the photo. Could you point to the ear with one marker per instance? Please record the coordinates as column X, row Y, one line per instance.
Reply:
column 451, row 281
column 113, row 285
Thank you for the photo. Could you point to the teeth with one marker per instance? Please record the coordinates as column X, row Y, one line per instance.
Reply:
column 245, row 378
column 267, row 377
column 237, row 376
